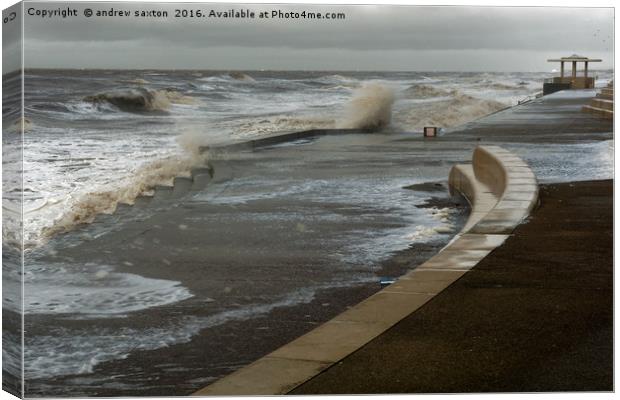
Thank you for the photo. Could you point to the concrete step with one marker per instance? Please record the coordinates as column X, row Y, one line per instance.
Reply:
column 123, row 209
column 104, row 218
column 181, row 186
column 605, row 96
column 605, row 104
column 598, row 111
column 200, row 178
column 607, row 91
column 142, row 201
column 162, row 193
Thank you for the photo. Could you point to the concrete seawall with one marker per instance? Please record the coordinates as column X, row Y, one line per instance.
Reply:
column 280, row 138
column 501, row 189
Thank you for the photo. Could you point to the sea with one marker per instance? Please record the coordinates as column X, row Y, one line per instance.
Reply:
column 94, row 139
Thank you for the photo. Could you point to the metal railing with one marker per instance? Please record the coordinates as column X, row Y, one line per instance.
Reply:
column 530, row 98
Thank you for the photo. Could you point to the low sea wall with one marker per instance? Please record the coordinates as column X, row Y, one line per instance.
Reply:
column 501, row 189
column 280, row 138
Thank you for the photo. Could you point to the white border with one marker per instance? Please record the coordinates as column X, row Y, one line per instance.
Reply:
column 522, row 3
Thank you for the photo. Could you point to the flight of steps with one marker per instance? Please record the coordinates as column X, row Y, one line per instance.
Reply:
column 162, row 195
column 603, row 104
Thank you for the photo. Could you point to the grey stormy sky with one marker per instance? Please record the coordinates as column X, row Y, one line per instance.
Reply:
column 421, row 38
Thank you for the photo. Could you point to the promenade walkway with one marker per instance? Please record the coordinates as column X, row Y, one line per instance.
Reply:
column 534, row 315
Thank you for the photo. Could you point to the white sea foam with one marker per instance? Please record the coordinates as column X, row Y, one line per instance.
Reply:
column 232, row 76
column 87, row 206
column 451, row 111
column 363, row 247
column 552, row 162
column 94, row 291
column 423, row 233
column 56, row 204
column 425, row 91
column 241, row 76
column 282, row 123
column 69, row 352
column 139, row 99
column 370, row 108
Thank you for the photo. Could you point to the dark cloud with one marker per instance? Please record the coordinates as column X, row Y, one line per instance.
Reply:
column 369, row 30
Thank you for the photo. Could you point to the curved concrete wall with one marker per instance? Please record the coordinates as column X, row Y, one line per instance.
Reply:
column 501, row 189
column 480, row 196
column 489, row 169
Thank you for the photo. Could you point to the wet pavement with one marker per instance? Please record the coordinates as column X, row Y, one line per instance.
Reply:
column 536, row 315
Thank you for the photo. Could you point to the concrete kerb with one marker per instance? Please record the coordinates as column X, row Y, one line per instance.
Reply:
column 501, row 190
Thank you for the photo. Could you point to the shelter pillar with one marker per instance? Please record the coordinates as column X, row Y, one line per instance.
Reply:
column 574, row 70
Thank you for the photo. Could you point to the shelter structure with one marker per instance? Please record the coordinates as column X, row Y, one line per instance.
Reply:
column 571, row 81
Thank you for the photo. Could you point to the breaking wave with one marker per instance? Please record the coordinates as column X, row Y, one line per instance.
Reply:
column 139, row 99
column 240, row 76
column 176, row 98
column 337, row 81
column 228, row 77
column 456, row 110
column 421, row 91
column 283, row 123
column 141, row 182
column 370, row 108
